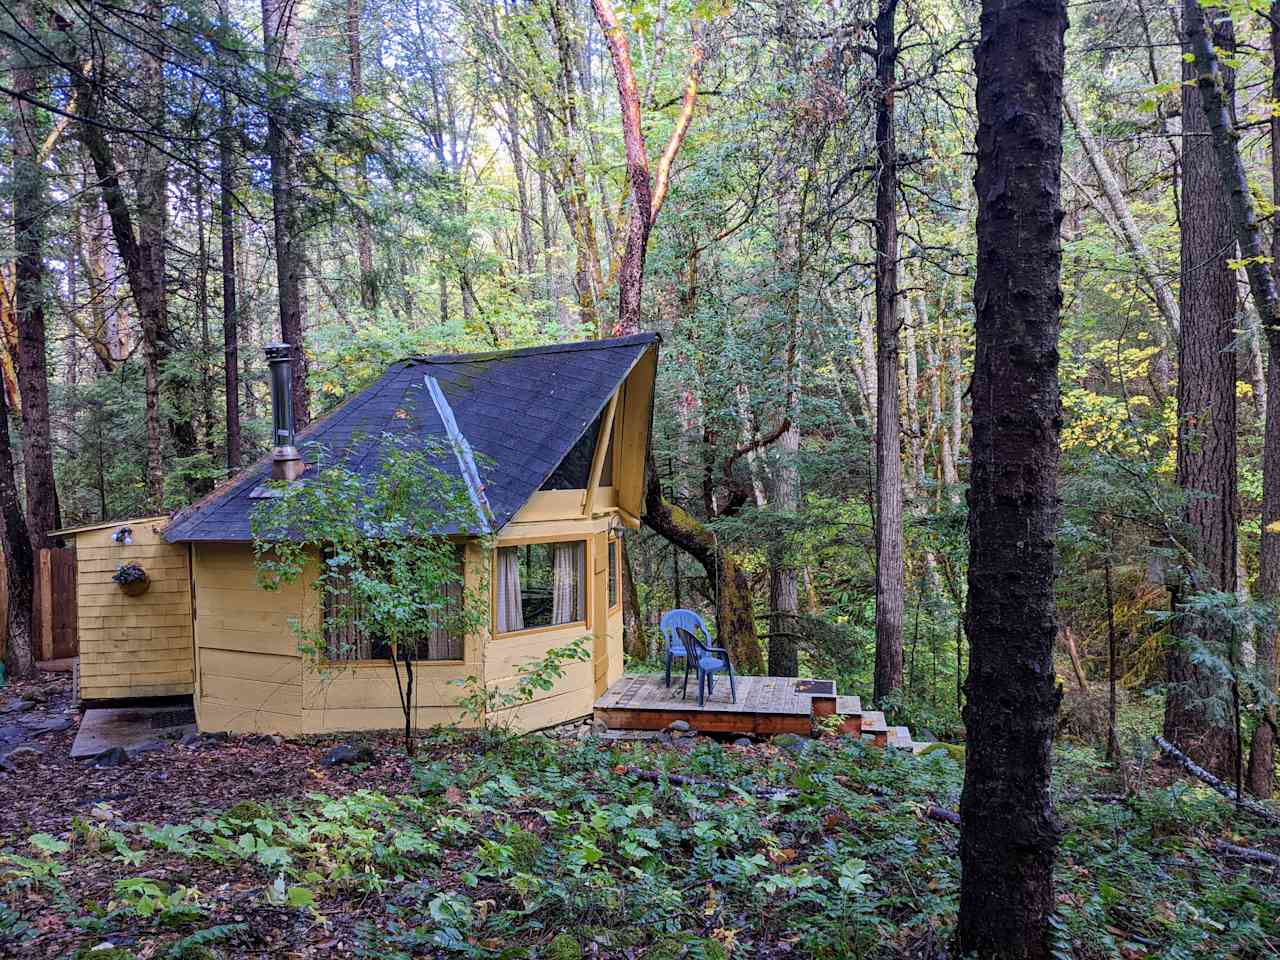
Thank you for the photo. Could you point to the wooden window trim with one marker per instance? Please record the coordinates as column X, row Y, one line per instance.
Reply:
column 588, row 557
column 615, row 548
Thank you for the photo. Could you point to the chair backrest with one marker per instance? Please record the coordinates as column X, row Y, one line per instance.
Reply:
column 675, row 622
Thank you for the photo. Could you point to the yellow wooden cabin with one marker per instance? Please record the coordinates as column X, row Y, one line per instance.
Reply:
column 565, row 430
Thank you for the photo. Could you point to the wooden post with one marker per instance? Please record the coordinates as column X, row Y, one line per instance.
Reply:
column 46, row 605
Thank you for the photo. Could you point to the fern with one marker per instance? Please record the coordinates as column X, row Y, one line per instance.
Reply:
column 203, row 938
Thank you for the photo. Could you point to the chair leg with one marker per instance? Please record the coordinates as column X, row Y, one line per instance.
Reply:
column 711, row 684
column 733, row 690
column 684, row 688
column 702, row 678
column 669, row 659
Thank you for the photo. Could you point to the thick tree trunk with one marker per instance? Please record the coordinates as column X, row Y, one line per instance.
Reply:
column 29, row 217
column 19, row 654
column 890, row 573
column 735, row 613
column 639, row 220
column 1009, row 830
column 1206, row 428
column 279, row 33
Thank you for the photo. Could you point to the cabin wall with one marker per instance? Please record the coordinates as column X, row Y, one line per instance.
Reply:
column 365, row 696
column 249, row 669
column 133, row 646
column 574, row 694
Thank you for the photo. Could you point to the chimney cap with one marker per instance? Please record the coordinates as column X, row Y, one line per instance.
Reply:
column 278, row 351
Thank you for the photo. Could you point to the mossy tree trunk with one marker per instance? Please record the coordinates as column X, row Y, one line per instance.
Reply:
column 735, row 609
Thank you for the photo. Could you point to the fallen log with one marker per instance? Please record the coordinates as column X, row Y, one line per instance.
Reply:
column 1245, row 853
column 1207, row 778
column 941, row 814
column 681, row 780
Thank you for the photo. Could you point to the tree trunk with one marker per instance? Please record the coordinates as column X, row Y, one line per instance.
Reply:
column 890, row 573
column 1129, row 229
column 226, row 216
column 29, row 217
column 735, row 613
column 19, row 655
column 1206, row 427
column 280, row 44
column 364, row 240
column 1009, row 831
column 153, row 218
column 631, row 272
column 1262, row 751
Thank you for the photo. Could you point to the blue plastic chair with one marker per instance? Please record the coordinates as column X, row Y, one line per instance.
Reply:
column 685, row 631
column 670, row 626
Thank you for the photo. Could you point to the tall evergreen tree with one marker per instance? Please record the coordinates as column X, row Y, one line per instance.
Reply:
column 1009, row 832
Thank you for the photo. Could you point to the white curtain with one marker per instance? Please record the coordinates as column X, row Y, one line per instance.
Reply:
column 569, row 584
column 510, row 612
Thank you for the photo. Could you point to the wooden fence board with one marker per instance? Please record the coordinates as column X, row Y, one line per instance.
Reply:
column 54, row 628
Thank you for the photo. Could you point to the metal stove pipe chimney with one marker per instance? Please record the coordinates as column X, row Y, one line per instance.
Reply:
column 286, row 462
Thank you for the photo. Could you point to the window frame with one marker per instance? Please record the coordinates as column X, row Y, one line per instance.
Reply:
column 385, row 663
column 615, row 552
column 588, row 558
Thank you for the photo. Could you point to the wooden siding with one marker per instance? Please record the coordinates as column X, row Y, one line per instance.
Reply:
column 133, row 646
column 249, row 677
column 364, row 696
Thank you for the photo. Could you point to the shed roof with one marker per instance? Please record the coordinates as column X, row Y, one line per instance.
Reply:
column 521, row 410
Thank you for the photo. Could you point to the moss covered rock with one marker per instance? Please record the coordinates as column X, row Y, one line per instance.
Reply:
column 564, row 947
column 953, row 750
column 525, row 847
column 247, row 810
column 104, row 952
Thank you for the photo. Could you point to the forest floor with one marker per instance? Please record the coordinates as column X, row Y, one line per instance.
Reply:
column 572, row 848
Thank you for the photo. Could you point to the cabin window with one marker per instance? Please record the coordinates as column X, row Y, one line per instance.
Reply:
column 541, row 585
column 349, row 637
column 615, row 564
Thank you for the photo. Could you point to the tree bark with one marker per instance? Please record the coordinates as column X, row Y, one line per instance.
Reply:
column 364, row 239
column 19, row 655
column 1206, row 420
column 280, row 45
column 639, row 222
column 890, row 573
column 29, row 217
column 1009, row 831
column 1262, row 751
column 226, row 218
column 735, row 613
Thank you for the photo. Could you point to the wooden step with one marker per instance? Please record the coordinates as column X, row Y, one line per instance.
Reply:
column 849, row 709
column 873, row 720
column 900, row 737
column 874, row 726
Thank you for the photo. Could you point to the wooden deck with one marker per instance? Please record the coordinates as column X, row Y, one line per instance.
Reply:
column 765, row 705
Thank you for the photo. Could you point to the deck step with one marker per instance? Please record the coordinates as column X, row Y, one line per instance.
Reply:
column 873, row 722
column 847, row 705
column 900, row 737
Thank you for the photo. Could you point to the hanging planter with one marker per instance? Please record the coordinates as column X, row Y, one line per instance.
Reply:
column 133, row 580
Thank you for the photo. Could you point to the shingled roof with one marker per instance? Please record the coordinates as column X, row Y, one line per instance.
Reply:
column 521, row 411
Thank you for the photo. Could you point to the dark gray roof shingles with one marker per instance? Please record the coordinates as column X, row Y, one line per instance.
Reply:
column 521, row 411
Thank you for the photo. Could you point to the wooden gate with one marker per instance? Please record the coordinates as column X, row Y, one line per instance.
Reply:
column 54, row 625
